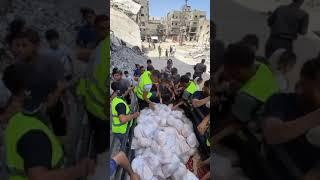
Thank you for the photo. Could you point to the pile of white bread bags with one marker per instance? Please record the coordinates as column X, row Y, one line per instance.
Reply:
column 163, row 142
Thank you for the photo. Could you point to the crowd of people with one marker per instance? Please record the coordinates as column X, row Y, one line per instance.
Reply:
column 165, row 86
column 253, row 99
column 36, row 82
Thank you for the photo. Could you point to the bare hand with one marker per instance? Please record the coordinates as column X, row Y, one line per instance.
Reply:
column 202, row 127
column 134, row 176
column 136, row 114
column 174, row 108
column 152, row 106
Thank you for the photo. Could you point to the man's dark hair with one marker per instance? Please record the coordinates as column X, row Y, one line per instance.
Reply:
column 30, row 34
column 287, row 57
column 85, row 11
column 126, row 72
column 207, row 83
column 188, row 73
column 116, row 71
column 52, row 34
column 184, row 79
column 14, row 77
column 156, row 73
column 174, row 71
column 100, row 18
column 115, row 86
column 250, row 40
column 141, row 67
column 203, row 60
column 17, row 25
column 298, row 1
column 311, row 69
column 149, row 61
column 200, row 79
column 239, row 54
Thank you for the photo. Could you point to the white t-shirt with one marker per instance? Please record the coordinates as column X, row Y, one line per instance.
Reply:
column 282, row 81
column 148, row 87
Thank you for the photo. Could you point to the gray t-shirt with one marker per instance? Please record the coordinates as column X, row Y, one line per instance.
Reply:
column 64, row 56
column 200, row 68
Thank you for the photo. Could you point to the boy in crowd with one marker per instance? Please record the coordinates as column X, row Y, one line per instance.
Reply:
column 25, row 47
column 60, row 52
column 288, row 117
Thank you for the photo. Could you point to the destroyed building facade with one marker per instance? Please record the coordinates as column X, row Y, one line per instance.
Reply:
column 143, row 17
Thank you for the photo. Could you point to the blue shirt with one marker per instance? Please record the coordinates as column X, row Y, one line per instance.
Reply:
column 87, row 37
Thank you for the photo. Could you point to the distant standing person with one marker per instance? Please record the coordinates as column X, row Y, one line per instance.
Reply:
column 159, row 49
column 168, row 68
column 173, row 50
column 170, row 50
column 149, row 65
column 199, row 69
column 166, row 53
column 286, row 23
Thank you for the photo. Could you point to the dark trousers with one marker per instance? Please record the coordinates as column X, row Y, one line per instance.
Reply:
column 101, row 129
column 275, row 43
column 57, row 119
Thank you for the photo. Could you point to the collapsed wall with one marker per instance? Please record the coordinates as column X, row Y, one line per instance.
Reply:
column 125, row 36
column 125, row 28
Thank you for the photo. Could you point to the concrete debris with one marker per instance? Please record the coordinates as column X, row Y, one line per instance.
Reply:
column 40, row 15
column 126, row 5
column 124, row 57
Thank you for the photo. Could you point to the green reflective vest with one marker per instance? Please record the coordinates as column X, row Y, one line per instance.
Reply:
column 18, row 126
column 262, row 85
column 117, row 126
column 191, row 88
column 93, row 88
column 144, row 80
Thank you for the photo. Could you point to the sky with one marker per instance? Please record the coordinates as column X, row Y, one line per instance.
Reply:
column 160, row 8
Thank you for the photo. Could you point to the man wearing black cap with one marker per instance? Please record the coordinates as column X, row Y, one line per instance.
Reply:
column 28, row 130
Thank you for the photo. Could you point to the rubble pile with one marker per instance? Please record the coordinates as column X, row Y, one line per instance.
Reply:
column 40, row 15
column 44, row 15
column 123, row 57
column 163, row 142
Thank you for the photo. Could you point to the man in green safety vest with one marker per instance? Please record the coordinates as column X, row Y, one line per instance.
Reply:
column 190, row 88
column 29, row 129
column 93, row 87
column 145, row 97
column 121, row 113
column 255, row 83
